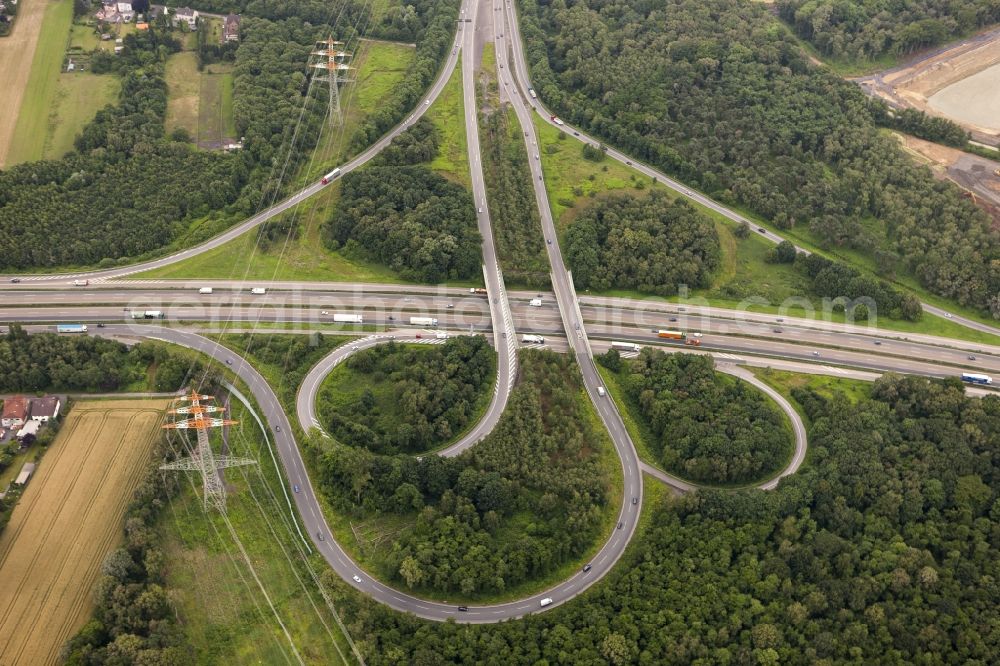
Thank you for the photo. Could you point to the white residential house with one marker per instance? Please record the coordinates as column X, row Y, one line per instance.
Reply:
column 125, row 11
column 186, row 15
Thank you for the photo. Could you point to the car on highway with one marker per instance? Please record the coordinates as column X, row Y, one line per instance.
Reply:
column 357, row 579
column 970, row 356
column 777, row 330
column 815, row 353
column 277, row 428
column 586, row 568
column 620, row 525
column 323, row 312
column 628, row 163
column 450, row 306
column 355, row 347
column 673, row 319
column 878, row 342
column 296, row 489
column 480, row 210
column 635, row 500
column 463, row 609
column 779, row 320
column 576, row 134
column 762, row 230
column 15, row 280
column 229, row 361
column 319, row 535
column 545, row 602
column 100, row 325
column 947, row 315
column 549, row 241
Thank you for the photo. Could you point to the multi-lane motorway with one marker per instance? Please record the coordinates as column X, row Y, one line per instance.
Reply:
column 572, row 321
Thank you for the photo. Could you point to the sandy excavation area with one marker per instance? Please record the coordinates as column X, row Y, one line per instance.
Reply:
column 960, row 81
column 68, row 520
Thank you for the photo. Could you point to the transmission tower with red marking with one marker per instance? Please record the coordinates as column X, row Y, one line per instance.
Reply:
column 203, row 460
column 331, row 69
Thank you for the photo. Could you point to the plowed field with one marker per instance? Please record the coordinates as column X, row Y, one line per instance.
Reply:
column 68, row 520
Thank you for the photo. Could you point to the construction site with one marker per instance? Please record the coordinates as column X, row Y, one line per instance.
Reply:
column 959, row 81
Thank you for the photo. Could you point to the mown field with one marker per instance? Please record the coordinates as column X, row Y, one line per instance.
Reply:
column 31, row 118
column 200, row 102
column 68, row 520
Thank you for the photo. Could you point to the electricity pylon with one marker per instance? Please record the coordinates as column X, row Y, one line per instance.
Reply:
column 331, row 69
column 203, row 460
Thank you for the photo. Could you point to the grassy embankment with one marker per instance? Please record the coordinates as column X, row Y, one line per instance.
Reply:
column 216, row 591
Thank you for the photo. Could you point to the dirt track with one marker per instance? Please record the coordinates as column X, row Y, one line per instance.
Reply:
column 912, row 83
column 16, row 53
column 68, row 520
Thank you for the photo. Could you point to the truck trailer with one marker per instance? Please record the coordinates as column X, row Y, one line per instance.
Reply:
column 532, row 339
column 973, row 378
column 71, row 328
column 423, row 321
column 477, row 290
column 625, row 346
column 348, row 318
column 330, row 176
column 147, row 314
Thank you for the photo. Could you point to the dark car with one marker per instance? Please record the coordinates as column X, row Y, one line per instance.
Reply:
column 762, row 230
column 777, row 330
column 620, row 525
column 576, row 134
column 628, row 163
column 320, row 536
column 971, row 357
column 635, row 500
column 878, row 342
column 586, row 568
column 549, row 241
column 15, row 280
column 463, row 608
column 229, row 361
column 100, row 325
column 673, row 319
column 277, row 428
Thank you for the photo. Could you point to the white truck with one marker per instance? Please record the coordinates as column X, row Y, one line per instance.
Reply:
column 80, row 283
column 205, row 290
column 258, row 291
column 535, row 302
column 441, row 336
column 625, row 346
column 423, row 321
column 532, row 339
column 347, row 318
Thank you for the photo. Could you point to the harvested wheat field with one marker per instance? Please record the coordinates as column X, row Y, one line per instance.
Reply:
column 68, row 520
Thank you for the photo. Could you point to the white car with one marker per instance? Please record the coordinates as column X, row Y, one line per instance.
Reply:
column 427, row 102
column 357, row 579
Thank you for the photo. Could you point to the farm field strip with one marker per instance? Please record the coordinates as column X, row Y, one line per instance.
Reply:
column 68, row 520
column 16, row 52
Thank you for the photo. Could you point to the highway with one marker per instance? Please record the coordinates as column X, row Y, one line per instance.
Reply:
column 572, row 320
column 522, row 79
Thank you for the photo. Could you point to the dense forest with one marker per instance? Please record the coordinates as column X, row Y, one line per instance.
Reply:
column 526, row 499
column 402, row 399
column 126, row 189
column 718, row 94
column 707, row 427
column 872, row 297
column 50, row 362
column 654, row 244
column 884, row 550
column 408, row 218
column 867, row 29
